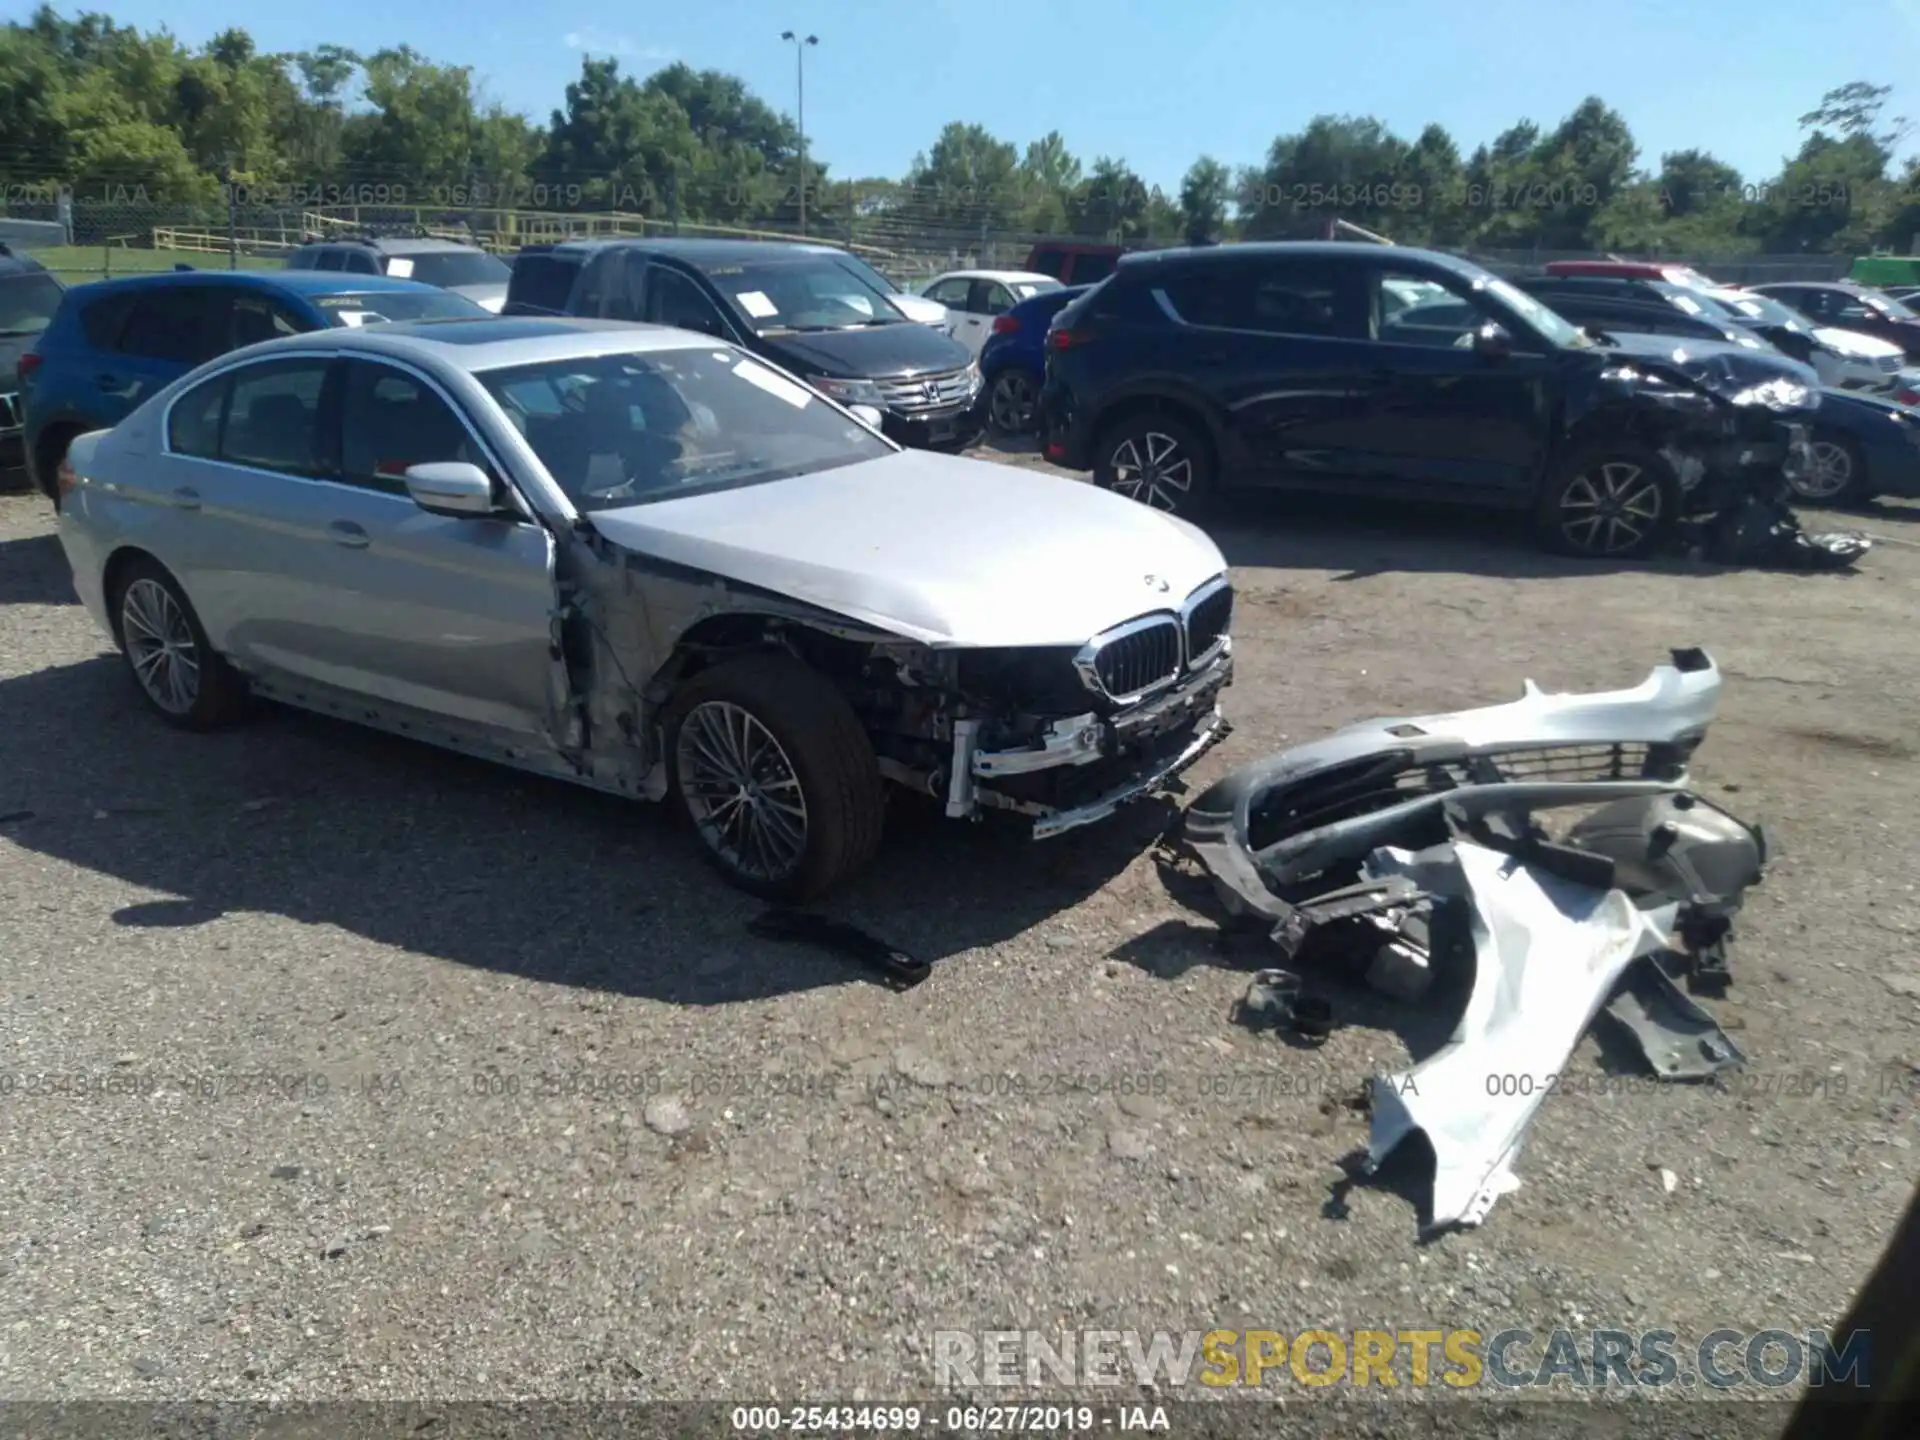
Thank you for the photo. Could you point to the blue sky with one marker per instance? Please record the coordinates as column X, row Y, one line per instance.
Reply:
column 1162, row 83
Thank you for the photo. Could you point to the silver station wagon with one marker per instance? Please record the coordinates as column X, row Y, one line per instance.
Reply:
column 640, row 560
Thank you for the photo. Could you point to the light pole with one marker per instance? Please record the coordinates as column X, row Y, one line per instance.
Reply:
column 800, row 86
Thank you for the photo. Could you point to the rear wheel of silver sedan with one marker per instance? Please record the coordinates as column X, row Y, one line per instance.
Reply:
column 168, row 652
column 774, row 772
column 1609, row 502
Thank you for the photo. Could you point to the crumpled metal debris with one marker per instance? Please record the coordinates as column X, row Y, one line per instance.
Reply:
column 1548, row 952
column 1764, row 532
column 1395, row 846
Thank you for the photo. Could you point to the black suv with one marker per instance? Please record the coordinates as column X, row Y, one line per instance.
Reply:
column 28, row 298
column 1378, row 369
column 792, row 304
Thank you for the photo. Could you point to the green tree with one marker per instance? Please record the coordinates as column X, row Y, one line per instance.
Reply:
column 968, row 181
column 1206, row 190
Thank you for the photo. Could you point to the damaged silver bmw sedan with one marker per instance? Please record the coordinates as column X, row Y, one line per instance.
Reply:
column 643, row 561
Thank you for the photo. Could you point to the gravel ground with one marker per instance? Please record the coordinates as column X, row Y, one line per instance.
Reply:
column 453, row 1084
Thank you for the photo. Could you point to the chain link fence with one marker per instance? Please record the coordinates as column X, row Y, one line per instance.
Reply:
column 908, row 235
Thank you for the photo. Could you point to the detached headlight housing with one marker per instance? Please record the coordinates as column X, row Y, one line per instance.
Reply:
column 850, row 392
column 1779, row 394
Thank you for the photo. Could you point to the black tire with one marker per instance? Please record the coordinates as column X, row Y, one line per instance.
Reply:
column 1609, row 501
column 1159, row 460
column 1837, row 475
column 819, row 743
column 211, row 692
column 1014, row 401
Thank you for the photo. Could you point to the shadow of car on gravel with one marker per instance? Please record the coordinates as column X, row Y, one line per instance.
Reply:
column 34, row 571
column 331, row 824
column 1361, row 538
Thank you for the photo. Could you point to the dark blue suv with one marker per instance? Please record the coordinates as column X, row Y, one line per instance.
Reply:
column 1390, row 372
column 112, row 343
column 1013, row 362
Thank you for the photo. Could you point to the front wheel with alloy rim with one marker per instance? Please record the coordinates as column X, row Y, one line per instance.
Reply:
column 168, row 653
column 772, row 769
column 1609, row 502
column 1012, row 402
column 1836, row 472
column 1159, row 461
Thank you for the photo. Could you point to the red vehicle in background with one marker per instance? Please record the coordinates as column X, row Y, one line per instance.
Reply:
column 1635, row 270
column 1074, row 262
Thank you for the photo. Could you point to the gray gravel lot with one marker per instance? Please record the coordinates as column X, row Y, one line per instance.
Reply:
column 334, row 1065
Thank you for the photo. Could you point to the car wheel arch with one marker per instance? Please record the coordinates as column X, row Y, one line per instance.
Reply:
column 715, row 639
column 1196, row 415
column 113, row 575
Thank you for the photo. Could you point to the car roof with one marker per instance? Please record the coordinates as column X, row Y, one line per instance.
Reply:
column 496, row 341
column 1139, row 260
column 293, row 282
column 395, row 245
column 1005, row 277
column 694, row 252
column 12, row 262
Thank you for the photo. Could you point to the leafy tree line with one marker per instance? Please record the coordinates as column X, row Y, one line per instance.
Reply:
column 114, row 113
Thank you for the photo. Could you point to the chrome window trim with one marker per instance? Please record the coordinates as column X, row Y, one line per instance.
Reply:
column 1084, row 658
column 525, row 509
column 1193, row 602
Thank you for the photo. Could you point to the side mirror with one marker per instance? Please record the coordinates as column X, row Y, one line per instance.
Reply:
column 868, row 415
column 451, row 487
column 1493, row 341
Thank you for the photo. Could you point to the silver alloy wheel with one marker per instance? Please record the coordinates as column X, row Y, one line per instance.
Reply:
column 1159, row 475
column 1012, row 402
column 1611, row 508
column 1829, row 471
column 160, row 643
column 741, row 790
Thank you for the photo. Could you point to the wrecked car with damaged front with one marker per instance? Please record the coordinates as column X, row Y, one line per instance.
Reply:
column 1407, row 374
column 648, row 562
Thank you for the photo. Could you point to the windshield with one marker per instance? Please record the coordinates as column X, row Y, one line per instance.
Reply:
column 816, row 293
column 450, row 267
column 1548, row 322
column 1758, row 308
column 628, row 429
column 27, row 302
column 866, row 272
column 1887, row 305
column 369, row 307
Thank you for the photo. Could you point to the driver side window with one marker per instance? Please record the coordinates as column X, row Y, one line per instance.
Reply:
column 1409, row 308
column 673, row 299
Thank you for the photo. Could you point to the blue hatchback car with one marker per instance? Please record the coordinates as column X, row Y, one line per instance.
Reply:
column 112, row 343
column 1013, row 362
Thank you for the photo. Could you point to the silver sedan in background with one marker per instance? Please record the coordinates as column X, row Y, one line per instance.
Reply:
column 644, row 561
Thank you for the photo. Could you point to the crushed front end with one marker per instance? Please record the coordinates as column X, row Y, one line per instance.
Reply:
column 1061, row 735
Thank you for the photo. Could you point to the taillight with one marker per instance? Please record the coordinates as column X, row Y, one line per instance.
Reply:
column 1061, row 339
column 28, row 363
column 1005, row 325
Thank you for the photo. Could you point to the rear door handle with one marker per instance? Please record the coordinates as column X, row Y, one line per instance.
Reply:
column 345, row 532
column 186, row 498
